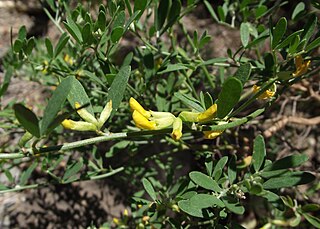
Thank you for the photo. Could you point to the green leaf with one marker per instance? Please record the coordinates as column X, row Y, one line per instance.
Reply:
column 27, row 119
column 314, row 44
column 243, row 73
column 221, row 14
column 61, row 44
column 289, row 180
column 260, row 11
column 244, row 34
column 197, row 204
column 232, row 169
column 141, row 6
column 310, row 207
column 86, row 32
column 204, row 181
column 295, row 42
column 297, row 10
column 131, row 19
column 49, row 47
column 173, row 15
column 101, row 21
column 205, row 201
column 288, row 40
column 270, row 196
column 119, row 86
column 291, row 161
column 17, row 45
column 309, row 28
column 22, row 34
column 55, row 103
column 218, row 169
column 72, row 170
column 3, row 187
column 279, row 31
column 78, row 94
column 188, row 101
column 229, row 96
column 315, row 221
column 6, row 81
column 211, row 11
column 259, row 153
column 274, row 173
column 73, row 29
column 189, row 208
column 209, row 164
column 120, row 19
column 149, row 188
column 116, row 34
column 27, row 173
column 30, row 45
column 94, row 78
column 233, row 205
column 161, row 13
column 173, row 68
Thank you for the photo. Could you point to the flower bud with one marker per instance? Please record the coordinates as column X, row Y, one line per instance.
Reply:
column 105, row 114
column 85, row 115
column 78, row 125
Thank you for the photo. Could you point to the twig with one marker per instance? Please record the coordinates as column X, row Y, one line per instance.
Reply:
column 290, row 119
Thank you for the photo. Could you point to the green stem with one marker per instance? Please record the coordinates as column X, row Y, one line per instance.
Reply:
column 112, row 136
column 20, row 188
column 253, row 98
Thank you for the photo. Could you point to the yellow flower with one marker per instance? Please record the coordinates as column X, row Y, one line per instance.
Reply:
column 116, row 221
column 85, row 115
column 177, row 129
column 68, row 59
column 78, row 125
column 142, row 122
column 301, row 66
column 212, row 134
column 91, row 123
column 105, row 114
column 154, row 120
column 135, row 106
column 267, row 94
column 209, row 114
column 150, row 120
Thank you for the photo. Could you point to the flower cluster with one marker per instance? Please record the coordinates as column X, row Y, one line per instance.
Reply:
column 301, row 66
column 90, row 123
column 154, row 120
column 267, row 94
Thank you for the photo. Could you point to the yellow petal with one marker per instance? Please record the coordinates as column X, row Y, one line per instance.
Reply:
column 177, row 129
column 78, row 125
column 266, row 94
column 142, row 122
column 301, row 66
column 212, row 134
column 135, row 106
column 85, row 115
column 105, row 114
column 298, row 60
column 209, row 114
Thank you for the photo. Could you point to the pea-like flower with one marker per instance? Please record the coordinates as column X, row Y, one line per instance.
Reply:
column 212, row 134
column 267, row 94
column 301, row 66
column 154, row 120
column 90, row 123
